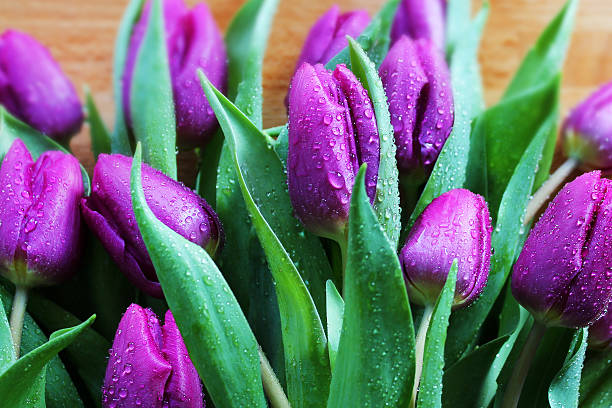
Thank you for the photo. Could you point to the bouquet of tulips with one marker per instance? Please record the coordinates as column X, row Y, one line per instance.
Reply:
column 391, row 246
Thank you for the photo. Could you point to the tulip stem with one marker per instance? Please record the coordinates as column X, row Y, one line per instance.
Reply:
column 521, row 367
column 20, row 300
column 419, row 351
column 271, row 385
column 541, row 196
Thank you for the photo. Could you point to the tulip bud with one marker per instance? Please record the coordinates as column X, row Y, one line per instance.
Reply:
column 420, row 19
column 193, row 42
column 332, row 131
column 327, row 37
column 600, row 333
column 456, row 225
column 587, row 131
column 40, row 223
column 34, row 88
column 417, row 83
column 108, row 212
column 563, row 275
column 149, row 365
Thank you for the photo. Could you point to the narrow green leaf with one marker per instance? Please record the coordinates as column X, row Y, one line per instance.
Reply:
column 374, row 39
column 596, row 381
column 7, row 350
column 216, row 333
column 545, row 60
column 19, row 380
column 451, row 168
column 266, row 180
column 267, row 200
column 88, row 354
column 387, row 203
column 206, row 180
column 473, row 369
column 335, row 314
column 509, row 230
column 375, row 361
column 152, row 104
column 430, row 387
column 100, row 138
column 246, row 40
column 120, row 142
column 458, row 21
column 12, row 128
column 563, row 391
column 281, row 145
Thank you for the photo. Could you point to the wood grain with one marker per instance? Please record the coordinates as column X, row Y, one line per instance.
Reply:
column 81, row 35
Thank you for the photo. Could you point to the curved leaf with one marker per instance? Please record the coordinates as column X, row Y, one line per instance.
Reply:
column 375, row 361
column 563, row 391
column 596, row 381
column 387, row 203
column 430, row 386
column 151, row 100
column 216, row 333
column 335, row 315
column 261, row 180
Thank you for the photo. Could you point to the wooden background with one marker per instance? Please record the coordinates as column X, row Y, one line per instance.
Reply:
column 81, row 34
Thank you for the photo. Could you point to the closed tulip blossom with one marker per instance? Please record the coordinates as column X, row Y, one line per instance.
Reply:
column 34, row 89
column 109, row 214
column 587, row 131
column 149, row 365
column 193, row 41
column 455, row 225
column 40, row 223
column 332, row 131
column 600, row 333
column 417, row 83
column 420, row 19
column 562, row 275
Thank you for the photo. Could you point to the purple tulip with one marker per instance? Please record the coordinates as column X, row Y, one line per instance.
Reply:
column 332, row 131
column 587, row 132
column 417, row 83
column 193, row 42
column 149, row 365
column 600, row 333
column 563, row 275
column 456, row 225
column 40, row 222
column 34, row 88
column 420, row 19
column 327, row 37
column 108, row 212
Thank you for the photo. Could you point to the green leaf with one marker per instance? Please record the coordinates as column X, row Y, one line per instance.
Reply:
column 100, row 138
column 261, row 180
column 430, row 386
column 87, row 354
column 335, row 314
column 266, row 180
column 216, row 333
column 58, row 389
column 451, row 168
column 563, row 391
column 246, row 40
column 208, row 163
column 374, row 39
column 7, row 350
column 545, row 60
column 473, row 369
column 375, row 361
column 120, row 142
column 458, row 20
column 596, row 381
column 12, row 128
column 152, row 104
column 387, row 203
column 509, row 230
column 20, row 380
column 281, row 145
